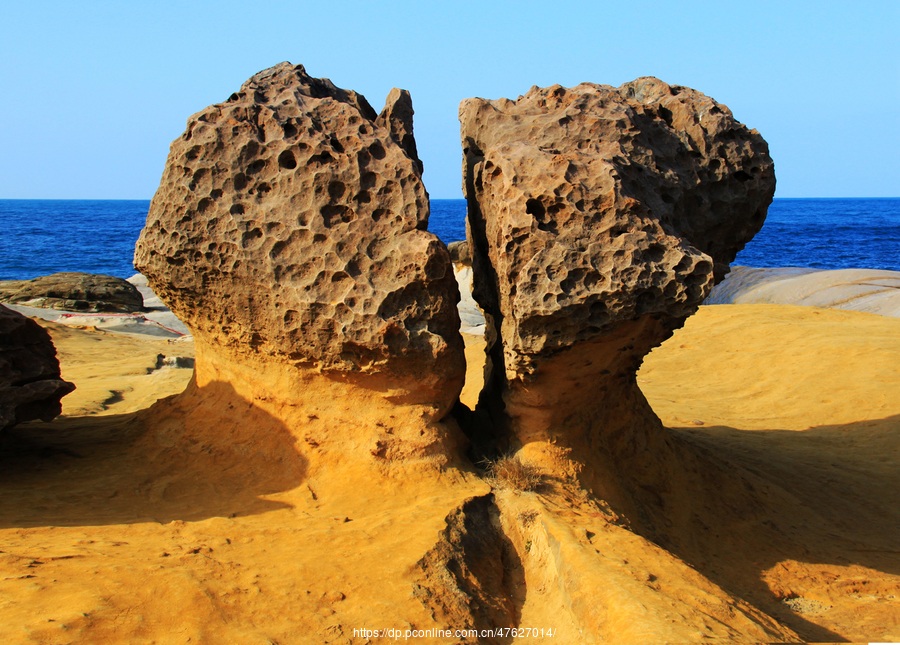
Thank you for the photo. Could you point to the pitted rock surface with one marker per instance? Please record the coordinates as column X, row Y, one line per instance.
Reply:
column 71, row 291
column 593, row 205
column 30, row 382
column 291, row 220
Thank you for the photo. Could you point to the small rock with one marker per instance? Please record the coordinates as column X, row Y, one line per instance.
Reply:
column 30, row 382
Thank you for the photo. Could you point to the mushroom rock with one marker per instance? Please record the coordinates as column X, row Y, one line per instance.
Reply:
column 599, row 219
column 30, row 383
column 289, row 234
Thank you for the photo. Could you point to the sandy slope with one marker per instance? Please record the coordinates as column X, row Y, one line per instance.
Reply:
column 109, row 535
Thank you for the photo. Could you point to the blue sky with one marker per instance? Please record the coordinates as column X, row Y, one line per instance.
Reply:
column 94, row 92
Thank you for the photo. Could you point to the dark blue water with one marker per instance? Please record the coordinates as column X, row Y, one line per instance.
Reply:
column 39, row 237
column 828, row 234
column 42, row 236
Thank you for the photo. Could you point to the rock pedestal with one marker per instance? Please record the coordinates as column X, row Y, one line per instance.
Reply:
column 599, row 218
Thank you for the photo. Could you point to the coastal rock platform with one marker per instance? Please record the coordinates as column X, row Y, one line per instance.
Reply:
column 250, row 555
column 82, row 292
column 867, row 290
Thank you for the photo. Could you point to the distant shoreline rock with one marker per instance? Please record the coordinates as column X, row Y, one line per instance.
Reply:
column 867, row 290
column 74, row 291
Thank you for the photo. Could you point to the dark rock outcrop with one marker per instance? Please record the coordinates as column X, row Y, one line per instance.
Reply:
column 71, row 291
column 30, row 383
column 599, row 219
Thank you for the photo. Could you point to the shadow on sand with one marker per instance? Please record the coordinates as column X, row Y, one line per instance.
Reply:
column 816, row 499
column 204, row 453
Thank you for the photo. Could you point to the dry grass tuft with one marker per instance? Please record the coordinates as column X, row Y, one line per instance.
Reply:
column 511, row 473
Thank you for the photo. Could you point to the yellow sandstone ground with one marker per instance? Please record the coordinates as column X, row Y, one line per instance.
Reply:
column 808, row 399
column 109, row 535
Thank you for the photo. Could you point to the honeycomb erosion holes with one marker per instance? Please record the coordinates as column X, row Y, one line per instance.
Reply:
column 598, row 220
column 289, row 233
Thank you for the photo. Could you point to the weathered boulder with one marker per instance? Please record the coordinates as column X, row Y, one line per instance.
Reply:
column 30, row 382
column 599, row 218
column 290, row 228
column 72, row 291
column 459, row 253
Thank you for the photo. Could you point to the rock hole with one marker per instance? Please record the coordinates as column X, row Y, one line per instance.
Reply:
column 237, row 209
column 204, row 205
column 667, row 198
column 666, row 115
column 377, row 150
column 256, row 166
column 250, row 150
column 240, row 181
column 682, row 265
column 334, row 214
column 277, row 249
column 656, row 252
column 336, row 190
column 368, row 180
column 250, row 237
column 740, row 175
column 287, row 160
column 322, row 158
column 696, row 278
column 193, row 153
column 536, row 209
column 290, row 130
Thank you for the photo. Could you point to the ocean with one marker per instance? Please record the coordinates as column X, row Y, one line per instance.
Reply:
column 39, row 237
